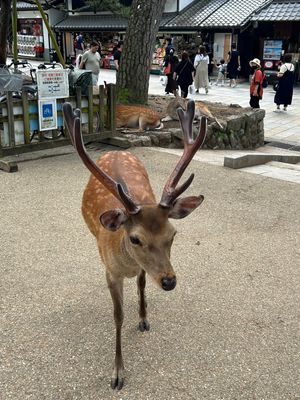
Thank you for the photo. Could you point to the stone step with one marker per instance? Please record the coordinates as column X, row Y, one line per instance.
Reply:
column 278, row 164
column 276, row 171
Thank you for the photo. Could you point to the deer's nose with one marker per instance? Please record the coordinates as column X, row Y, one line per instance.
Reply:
column 168, row 283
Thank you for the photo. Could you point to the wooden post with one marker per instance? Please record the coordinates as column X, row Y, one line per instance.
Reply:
column 26, row 123
column 78, row 97
column 101, row 108
column 11, row 121
column 90, row 109
column 111, row 103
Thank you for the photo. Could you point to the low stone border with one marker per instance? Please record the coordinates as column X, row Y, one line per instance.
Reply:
column 239, row 131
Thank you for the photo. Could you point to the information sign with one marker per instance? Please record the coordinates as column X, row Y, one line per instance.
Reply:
column 53, row 83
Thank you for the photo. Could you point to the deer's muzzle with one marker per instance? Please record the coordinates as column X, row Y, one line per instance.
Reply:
column 168, row 283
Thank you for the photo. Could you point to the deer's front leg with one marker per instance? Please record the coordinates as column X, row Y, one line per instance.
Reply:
column 115, row 286
column 141, row 284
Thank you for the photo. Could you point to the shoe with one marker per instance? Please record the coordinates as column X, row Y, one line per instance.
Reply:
column 234, row 85
column 278, row 107
column 206, row 90
column 197, row 91
column 284, row 109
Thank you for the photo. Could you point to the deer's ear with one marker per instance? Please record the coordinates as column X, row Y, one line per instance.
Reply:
column 113, row 219
column 183, row 207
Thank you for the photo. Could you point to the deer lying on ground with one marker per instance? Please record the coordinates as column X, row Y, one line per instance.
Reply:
column 132, row 230
column 201, row 110
column 137, row 117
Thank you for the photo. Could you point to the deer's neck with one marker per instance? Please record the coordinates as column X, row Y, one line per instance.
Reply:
column 129, row 264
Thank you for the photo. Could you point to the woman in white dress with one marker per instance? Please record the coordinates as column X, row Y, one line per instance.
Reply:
column 201, row 64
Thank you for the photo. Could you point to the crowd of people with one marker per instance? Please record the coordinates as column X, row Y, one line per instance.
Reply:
column 192, row 75
column 188, row 75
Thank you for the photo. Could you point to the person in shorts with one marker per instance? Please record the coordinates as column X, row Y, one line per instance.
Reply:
column 91, row 61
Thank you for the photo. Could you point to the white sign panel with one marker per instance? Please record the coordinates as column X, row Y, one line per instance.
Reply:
column 47, row 114
column 53, row 83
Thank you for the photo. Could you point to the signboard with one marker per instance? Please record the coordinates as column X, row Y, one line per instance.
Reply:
column 47, row 114
column 52, row 83
column 272, row 49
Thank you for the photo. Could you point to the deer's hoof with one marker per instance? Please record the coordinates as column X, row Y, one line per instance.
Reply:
column 144, row 325
column 117, row 383
column 117, row 379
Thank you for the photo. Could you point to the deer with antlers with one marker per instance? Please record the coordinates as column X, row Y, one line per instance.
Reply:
column 132, row 230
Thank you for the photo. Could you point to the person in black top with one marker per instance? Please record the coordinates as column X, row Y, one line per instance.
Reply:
column 184, row 72
column 117, row 55
column 233, row 65
column 171, row 59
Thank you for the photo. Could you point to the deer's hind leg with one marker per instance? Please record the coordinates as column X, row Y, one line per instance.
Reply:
column 141, row 284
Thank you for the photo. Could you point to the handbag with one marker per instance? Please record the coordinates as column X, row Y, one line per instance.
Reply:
column 192, row 89
column 167, row 69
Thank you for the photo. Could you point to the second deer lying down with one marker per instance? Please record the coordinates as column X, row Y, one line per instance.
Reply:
column 137, row 117
column 132, row 230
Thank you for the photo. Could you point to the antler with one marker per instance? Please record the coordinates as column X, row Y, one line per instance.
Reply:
column 170, row 192
column 74, row 128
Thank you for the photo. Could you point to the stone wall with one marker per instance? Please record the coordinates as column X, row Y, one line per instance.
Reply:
column 242, row 130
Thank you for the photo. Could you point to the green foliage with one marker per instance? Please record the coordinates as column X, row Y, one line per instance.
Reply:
column 123, row 96
column 113, row 6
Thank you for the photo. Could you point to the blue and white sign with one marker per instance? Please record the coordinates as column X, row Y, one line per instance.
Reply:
column 47, row 114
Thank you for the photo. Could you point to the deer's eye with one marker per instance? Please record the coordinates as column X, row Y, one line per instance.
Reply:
column 135, row 240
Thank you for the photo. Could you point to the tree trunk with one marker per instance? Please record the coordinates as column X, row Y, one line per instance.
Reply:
column 5, row 12
column 134, row 72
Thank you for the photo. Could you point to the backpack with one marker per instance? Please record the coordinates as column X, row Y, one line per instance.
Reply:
column 264, row 82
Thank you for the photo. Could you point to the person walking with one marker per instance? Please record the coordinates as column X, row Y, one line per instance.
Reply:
column 221, row 72
column 233, row 65
column 170, row 64
column 256, row 89
column 185, row 73
column 284, row 93
column 91, row 60
column 201, row 65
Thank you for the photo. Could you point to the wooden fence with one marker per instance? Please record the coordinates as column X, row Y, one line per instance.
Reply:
column 19, row 121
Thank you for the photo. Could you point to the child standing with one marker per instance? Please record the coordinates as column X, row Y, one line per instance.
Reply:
column 221, row 72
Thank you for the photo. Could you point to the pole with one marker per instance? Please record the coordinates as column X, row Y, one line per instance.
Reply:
column 14, row 28
column 53, row 39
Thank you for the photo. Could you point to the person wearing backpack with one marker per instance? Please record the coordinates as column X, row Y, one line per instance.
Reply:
column 284, row 93
column 256, row 87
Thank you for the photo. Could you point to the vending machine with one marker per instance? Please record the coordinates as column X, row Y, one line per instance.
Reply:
column 272, row 58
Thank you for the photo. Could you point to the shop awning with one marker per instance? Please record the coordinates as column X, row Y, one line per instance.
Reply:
column 92, row 22
column 216, row 14
column 279, row 11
